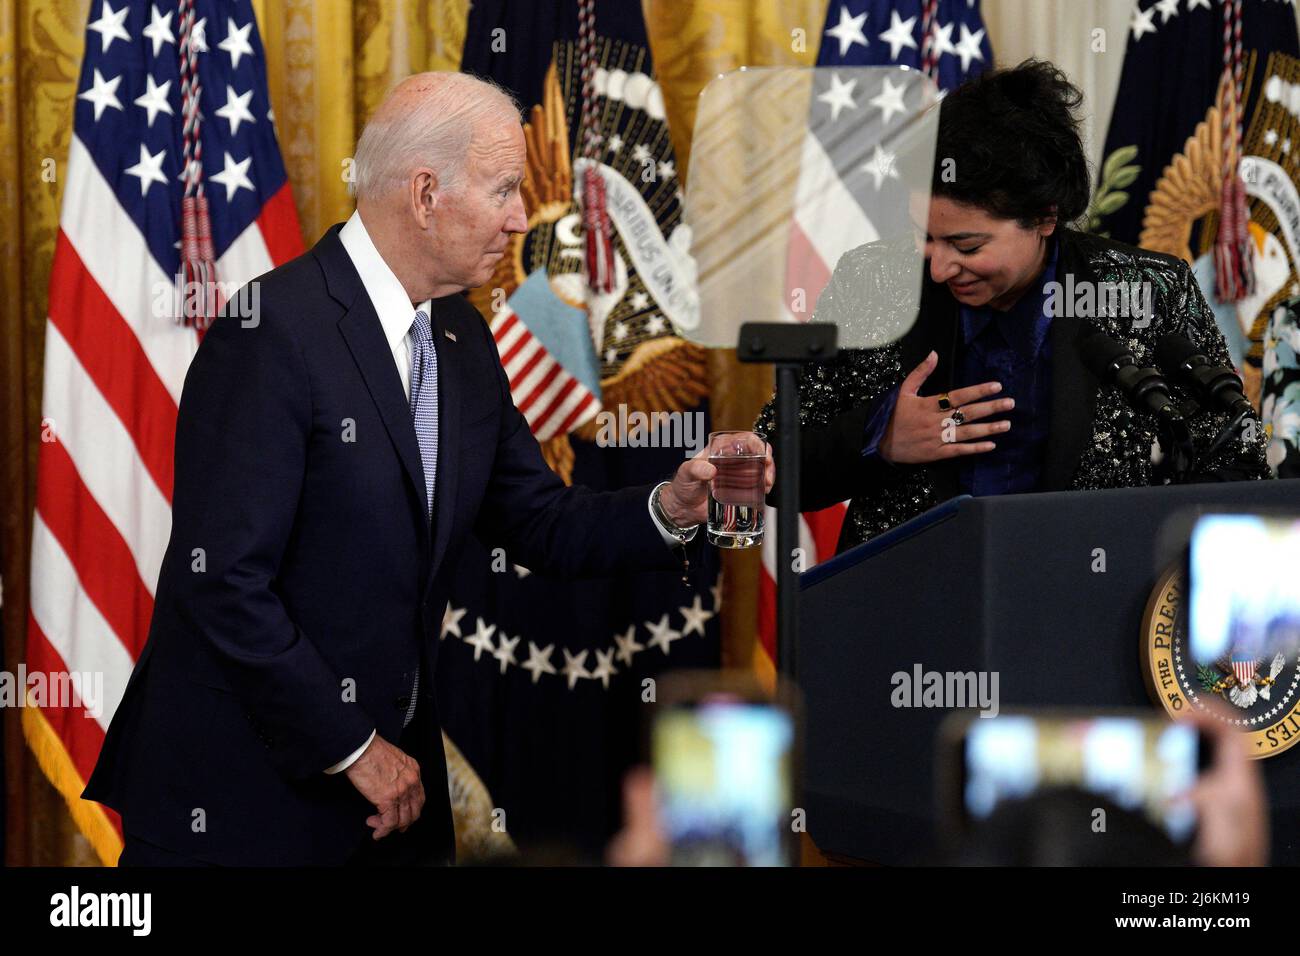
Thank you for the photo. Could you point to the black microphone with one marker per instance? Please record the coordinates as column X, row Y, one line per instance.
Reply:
column 1212, row 385
column 1145, row 388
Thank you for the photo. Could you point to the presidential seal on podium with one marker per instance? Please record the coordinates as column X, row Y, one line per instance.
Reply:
column 1259, row 684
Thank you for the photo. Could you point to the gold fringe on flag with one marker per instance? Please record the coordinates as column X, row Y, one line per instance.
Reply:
column 478, row 838
column 57, row 766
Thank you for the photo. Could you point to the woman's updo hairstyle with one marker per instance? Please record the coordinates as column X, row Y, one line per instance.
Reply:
column 1013, row 139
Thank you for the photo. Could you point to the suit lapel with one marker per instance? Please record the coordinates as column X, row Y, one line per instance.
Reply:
column 936, row 328
column 449, row 394
column 1074, row 387
column 364, row 336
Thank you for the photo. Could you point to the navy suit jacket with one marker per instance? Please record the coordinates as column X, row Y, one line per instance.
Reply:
column 303, row 584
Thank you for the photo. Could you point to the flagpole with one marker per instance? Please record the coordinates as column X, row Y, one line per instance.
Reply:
column 789, row 346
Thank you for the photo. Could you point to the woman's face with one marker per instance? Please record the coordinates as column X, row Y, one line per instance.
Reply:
column 982, row 259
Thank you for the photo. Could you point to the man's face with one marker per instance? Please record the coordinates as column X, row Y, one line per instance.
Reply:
column 983, row 260
column 473, row 221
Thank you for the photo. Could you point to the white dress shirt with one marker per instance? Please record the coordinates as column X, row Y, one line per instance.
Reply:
column 396, row 313
column 386, row 294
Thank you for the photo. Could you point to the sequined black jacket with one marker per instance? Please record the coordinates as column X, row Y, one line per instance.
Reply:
column 1096, row 440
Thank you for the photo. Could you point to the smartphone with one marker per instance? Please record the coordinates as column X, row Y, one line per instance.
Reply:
column 1244, row 590
column 1138, row 760
column 724, row 755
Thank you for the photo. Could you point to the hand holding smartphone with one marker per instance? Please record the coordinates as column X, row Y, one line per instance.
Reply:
column 724, row 756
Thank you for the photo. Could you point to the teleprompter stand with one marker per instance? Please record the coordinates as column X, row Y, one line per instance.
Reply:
column 789, row 346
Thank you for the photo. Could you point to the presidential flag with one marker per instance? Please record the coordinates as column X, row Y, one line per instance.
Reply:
column 1202, row 157
column 944, row 38
column 542, row 681
column 173, row 171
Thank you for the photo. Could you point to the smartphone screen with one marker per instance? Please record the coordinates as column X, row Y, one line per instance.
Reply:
column 723, row 768
column 1136, row 762
column 1244, row 604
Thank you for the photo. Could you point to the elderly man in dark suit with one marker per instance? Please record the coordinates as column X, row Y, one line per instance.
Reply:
column 331, row 459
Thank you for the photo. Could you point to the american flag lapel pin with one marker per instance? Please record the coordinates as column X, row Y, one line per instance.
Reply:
column 450, row 334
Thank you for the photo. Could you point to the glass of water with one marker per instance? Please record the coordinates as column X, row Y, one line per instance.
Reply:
column 737, row 490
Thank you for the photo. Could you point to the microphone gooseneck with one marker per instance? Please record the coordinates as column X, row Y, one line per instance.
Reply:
column 1213, row 386
column 1146, row 390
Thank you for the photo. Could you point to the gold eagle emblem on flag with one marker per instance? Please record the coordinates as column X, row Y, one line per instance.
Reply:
column 644, row 364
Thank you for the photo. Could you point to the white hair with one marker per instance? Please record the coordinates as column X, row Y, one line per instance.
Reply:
column 434, row 132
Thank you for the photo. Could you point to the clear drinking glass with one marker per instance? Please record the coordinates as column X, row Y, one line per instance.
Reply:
column 737, row 490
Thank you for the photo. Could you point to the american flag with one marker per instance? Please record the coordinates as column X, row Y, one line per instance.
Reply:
column 836, row 199
column 115, row 354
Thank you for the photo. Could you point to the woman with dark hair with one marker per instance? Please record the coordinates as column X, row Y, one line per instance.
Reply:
column 988, row 392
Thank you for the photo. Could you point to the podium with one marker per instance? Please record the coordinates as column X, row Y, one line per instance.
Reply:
column 1011, row 584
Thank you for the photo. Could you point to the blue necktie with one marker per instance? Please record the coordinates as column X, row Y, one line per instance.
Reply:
column 424, row 413
column 424, row 400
